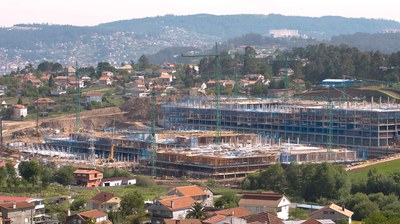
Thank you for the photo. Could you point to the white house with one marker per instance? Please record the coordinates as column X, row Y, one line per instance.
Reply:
column 117, row 181
column 107, row 73
column 333, row 212
column 171, row 207
column 266, row 202
column 93, row 97
column 222, row 219
column 20, row 111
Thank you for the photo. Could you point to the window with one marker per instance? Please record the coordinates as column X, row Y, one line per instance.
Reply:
column 332, row 212
column 326, row 212
column 26, row 220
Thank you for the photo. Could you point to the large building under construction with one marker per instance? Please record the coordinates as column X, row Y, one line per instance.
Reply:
column 374, row 127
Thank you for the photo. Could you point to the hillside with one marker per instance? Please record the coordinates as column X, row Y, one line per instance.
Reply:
column 123, row 41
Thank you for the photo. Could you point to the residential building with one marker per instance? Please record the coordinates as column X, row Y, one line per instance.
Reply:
column 265, row 218
column 107, row 73
column 285, row 71
column 69, row 70
column 88, row 177
column 61, row 81
column 166, row 78
column 17, row 212
column 333, row 212
column 183, row 221
column 104, row 202
column 118, row 181
column 83, row 217
column 309, row 221
column 105, row 81
column 222, row 219
column 45, row 104
column 266, row 202
column 39, row 209
column 171, row 207
column 20, row 111
column 284, row 33
column 93, row 97
column 202, row 195
column 34, row 82
column 238, row 212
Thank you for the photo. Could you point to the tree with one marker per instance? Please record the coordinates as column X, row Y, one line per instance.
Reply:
column 249, row 60
column 298, row 214
column 132, row 203
column 52, row 82
column 65, row 175
column 77, row 204
column 30, row 171
column 227, row 200
column 143, row 62
column 196, row 212
column 274, row 178
column 20, row 101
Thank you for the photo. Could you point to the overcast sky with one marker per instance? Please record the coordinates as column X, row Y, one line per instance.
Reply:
column 93, row 12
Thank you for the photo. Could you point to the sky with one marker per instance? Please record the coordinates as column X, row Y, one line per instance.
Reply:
column 93, row 12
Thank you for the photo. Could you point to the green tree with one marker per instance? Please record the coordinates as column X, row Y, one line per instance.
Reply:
column 77, row 205
column 52, row 82
column 132, row 203
column 30, row 171
column 20, row 101
column 65, row 175
column 144, row 62
column 227, row 200
column 274, row 178
column 298, row 214
column 196, row 212
column 249, row 60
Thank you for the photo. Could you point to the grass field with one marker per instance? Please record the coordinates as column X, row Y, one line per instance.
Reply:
column 386, row 168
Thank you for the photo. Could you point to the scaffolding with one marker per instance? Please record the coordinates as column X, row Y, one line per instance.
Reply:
column 375, row 127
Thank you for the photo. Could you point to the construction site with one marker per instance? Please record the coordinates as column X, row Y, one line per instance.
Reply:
column 371, row 127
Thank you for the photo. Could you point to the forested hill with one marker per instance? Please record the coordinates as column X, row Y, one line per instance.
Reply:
column 385, row 42
column 228, row 26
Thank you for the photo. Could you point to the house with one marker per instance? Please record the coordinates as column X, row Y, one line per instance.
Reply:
column 105, row 81
column 127, row 68
column 118, row 181
column 310, row 221
column 266, row 202
column 107, row 73
column 285, row 71
column 333, row 212
column 45, row 77
column 104, row 202
column 204, row 196
column 222, row 219
column 170, row 207
column 238, row 212
column 39, row 209
column 165, row 78
column 93, row 97
column 88, row 177
column 83, row 217
column 45, row 104
column 17, row 212
column 61, row 81
column 264, row 217
column 183, row 221
column 69, row 70
column 20, row 111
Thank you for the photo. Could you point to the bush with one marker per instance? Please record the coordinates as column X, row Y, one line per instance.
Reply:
column 144, row 181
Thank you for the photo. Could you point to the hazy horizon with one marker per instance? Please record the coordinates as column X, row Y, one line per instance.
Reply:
column 91, row 12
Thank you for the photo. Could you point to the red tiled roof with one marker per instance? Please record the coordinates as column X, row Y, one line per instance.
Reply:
column 104, row 78
column 44, row 100
column 19, row 106
column 102, row 197
column 238, row 212
column 265, row 198
column 214, row 219
column 264, row 217
column 191, row 191
column 87, row 171
column 183, row 221
column 178, row 202
column 18, row 205
column 92, row 214
column 93, row 94
column 312, row 221
column 4, row 198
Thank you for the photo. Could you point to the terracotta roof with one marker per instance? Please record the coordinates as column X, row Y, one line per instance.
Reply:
column 183, row 221
column 336, row 208
column 238, row 212
column 18, row 205
column 19, row 106
column 4, row 198
column 102, row 197
column 264, row 217
column 214, row 219
column 312, row 221
column 61, row 78
column 191, row 191
column 270, row 199
column 4, row 163
column 178, row 202
column 87, row 171
column 104, row 78
column 165, row 76
column 92, row 214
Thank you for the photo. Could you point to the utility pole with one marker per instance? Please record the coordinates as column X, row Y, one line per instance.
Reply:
column 78, row 101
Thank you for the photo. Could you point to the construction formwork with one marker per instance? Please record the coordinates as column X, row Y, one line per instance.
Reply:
column 375, row 127
column 234, row 161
